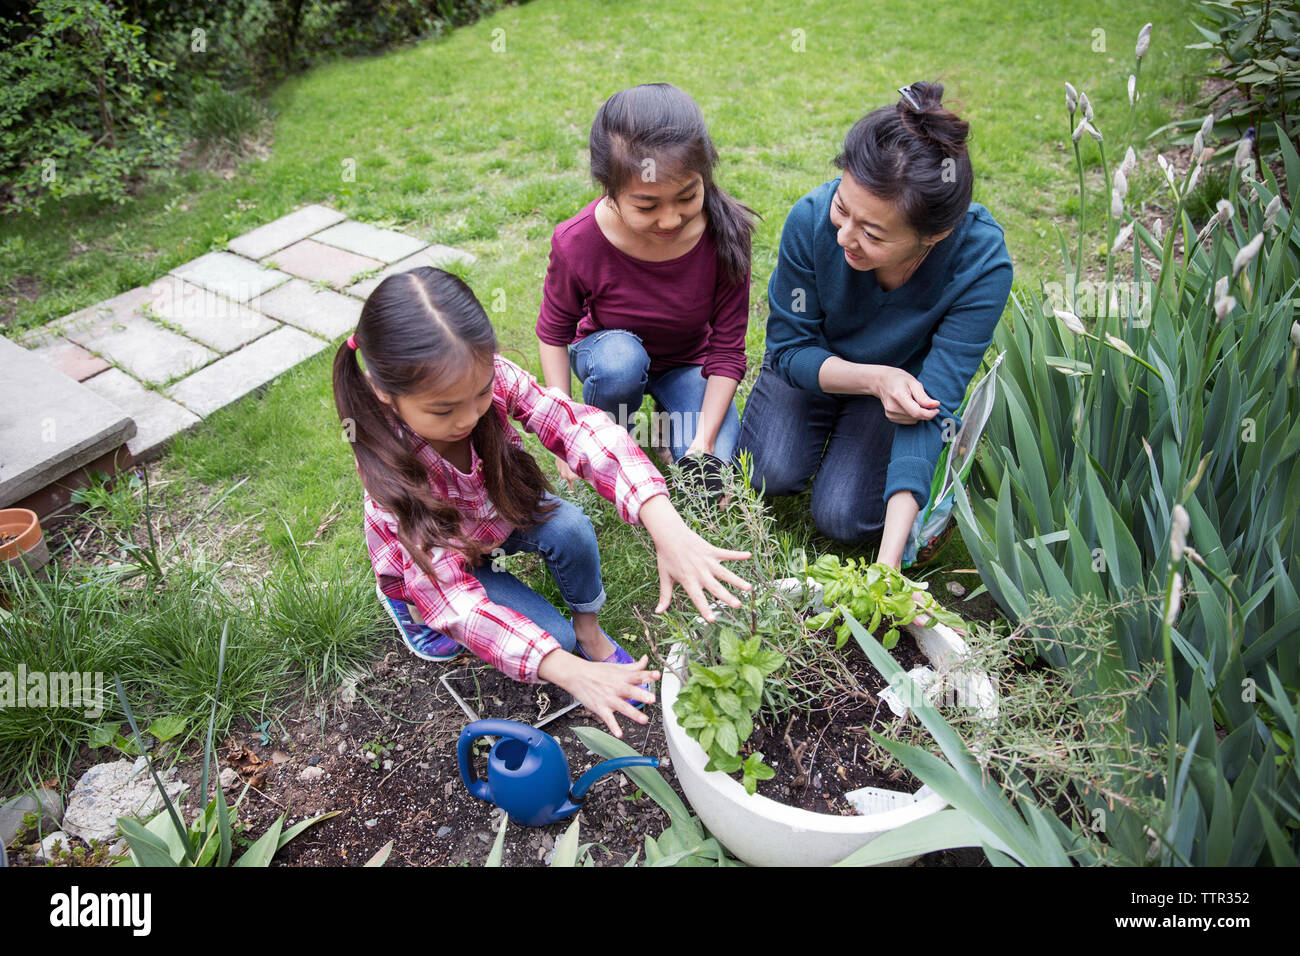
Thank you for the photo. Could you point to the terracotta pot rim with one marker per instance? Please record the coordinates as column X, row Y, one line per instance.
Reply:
column 23, row 523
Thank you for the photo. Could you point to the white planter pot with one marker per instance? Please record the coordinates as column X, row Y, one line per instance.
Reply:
column 763, row 832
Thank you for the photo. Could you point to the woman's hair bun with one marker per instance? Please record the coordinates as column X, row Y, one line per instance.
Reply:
column 921, row 108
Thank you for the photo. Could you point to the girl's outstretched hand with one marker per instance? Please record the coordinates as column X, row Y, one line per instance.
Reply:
column 604, row 689
column 687, row 559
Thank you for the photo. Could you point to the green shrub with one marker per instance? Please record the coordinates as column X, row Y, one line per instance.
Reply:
column 76, row 117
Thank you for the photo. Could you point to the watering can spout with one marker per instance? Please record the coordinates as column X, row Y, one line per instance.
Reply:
column 609, row 766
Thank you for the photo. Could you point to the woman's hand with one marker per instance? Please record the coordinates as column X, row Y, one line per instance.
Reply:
column 602, row 688
column 567, row 473
column 687, row 559
column 903, row 396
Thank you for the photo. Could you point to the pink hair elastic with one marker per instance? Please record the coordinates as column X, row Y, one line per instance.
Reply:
column 352, row 341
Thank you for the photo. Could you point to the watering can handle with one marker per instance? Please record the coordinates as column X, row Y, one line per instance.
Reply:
column 483, row 728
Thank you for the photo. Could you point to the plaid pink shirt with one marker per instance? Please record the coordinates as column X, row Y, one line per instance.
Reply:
column 455, row 604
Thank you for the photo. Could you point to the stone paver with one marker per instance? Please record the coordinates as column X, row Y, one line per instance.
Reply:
column 366, row 240
column 144, row 348
column 329, row 314
column 318, row 262
column 71, row 359
column 157, row 419
column 239, row 373
column 230, row 275
column 204, row 315
column 435, row 255
column 285, row 231
column 50, row 425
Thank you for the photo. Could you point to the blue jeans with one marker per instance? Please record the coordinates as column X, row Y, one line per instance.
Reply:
column 615, row 373
column 567, row 542
column 846, row 440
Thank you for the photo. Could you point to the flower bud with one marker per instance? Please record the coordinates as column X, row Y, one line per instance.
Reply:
column 1246, row 254
column 1271, row 210
column 1129, row 162
column 1078, row 130
column 1179, row 527
column 1223, row 306
column 1116, row 204
column 1198, row 144
column 1143, row 42
column 1158, row 230
column 1122, row 238
column 1243, row 155
column 1071, row 98
column 1132, row 89
column 1071, row 321
column 1085, row 105
column 1093, row 131
column 1193, row 178
column 1120, row 345
column 1223, row 211
column 1207, row 127
column 1175, row 599
column 1295, row 334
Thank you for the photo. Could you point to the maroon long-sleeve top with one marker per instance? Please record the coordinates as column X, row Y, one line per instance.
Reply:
column 684, row 310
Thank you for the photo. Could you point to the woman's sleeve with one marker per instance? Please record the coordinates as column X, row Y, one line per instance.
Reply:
column 956, row 350
column 455, row 604
column 563, row 300
column 795, row 342
column 594, row 446
column 726, row 345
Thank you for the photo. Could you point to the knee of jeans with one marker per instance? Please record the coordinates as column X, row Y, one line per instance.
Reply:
column 618, row 362
column 846, row 519
column 772, row 473
column 568, row 529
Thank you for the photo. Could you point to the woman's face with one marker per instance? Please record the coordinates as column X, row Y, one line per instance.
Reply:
column 870, row 231
column 660, row 211
column 445, row 415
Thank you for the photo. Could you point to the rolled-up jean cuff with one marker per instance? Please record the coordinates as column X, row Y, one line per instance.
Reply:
column 590, row 607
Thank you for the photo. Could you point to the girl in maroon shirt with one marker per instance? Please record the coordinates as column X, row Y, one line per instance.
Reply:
column 648, row 286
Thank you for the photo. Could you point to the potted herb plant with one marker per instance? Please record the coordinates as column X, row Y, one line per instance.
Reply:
column 732, row 691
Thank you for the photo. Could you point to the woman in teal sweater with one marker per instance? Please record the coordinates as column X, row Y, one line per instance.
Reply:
column 886, row 291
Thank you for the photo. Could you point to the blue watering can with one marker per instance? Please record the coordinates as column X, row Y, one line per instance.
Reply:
column 528, row 774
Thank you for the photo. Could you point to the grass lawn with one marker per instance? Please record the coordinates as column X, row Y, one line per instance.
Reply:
column 467, row 143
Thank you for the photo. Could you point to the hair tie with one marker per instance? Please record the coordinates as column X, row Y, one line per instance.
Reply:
column 352, row 341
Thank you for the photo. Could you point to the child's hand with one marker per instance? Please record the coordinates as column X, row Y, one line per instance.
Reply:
column 687, row 559
column 602, row 688
column 567, row 473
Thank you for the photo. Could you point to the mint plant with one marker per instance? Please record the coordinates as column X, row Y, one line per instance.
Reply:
column 717, row 705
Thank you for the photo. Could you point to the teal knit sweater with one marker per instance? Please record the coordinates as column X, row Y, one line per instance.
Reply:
column 936, row 325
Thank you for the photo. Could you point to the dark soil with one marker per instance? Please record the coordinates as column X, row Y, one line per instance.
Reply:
column 816, row 756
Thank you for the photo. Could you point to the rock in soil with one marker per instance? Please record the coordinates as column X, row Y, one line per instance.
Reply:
column 45, row 802
column 110, row 790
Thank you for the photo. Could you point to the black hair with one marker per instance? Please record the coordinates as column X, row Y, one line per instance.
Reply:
column 914, row 155
column 416, row 329
column 660, row 122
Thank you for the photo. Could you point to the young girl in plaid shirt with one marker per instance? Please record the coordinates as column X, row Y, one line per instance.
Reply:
column 449, row 486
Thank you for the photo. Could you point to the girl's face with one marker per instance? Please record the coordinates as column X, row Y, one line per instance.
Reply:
column 660, row 211
column 870, row 231
column 443, row 416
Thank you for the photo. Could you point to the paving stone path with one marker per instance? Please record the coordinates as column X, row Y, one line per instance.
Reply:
column 169, row 354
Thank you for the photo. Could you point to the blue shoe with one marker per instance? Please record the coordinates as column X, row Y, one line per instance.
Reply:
column 420, row 639
column 619, row 656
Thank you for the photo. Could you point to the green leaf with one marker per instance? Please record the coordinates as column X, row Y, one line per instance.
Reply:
column 165, row 728
column 297, row 828
column 261, row 852
column 566, row 848
column 647, row 778
column 727, row 738
column 101, row 735
column 499, row 845
column 944, row 830
column 147, row 849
